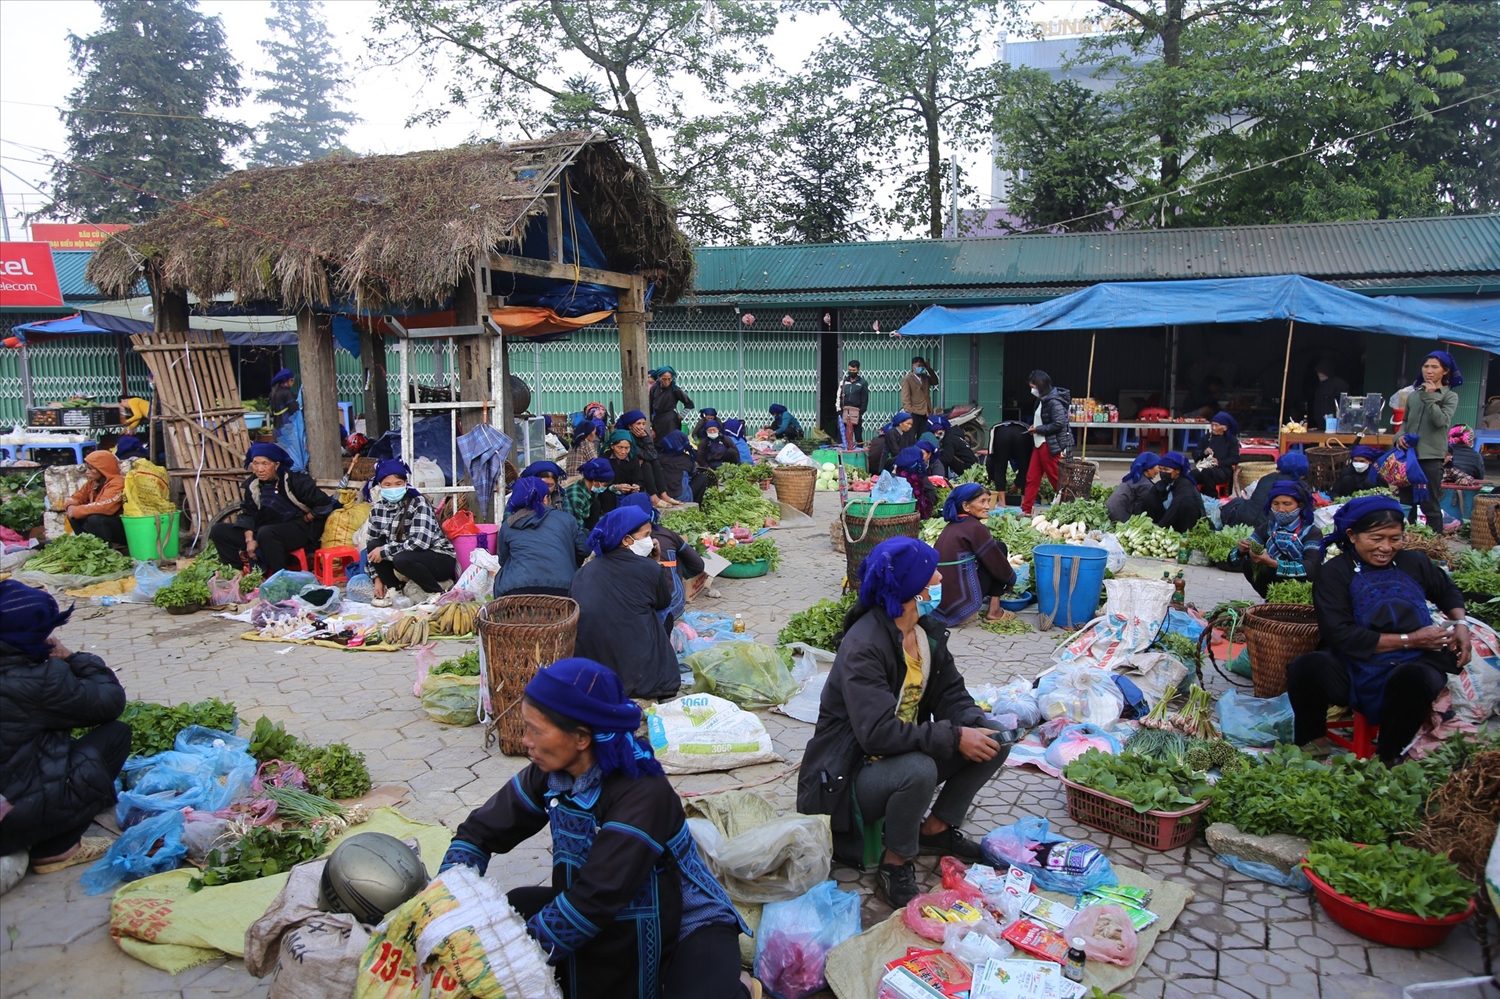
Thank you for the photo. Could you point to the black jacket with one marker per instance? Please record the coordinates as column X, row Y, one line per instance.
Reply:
column 1187, row 504
column 297, row 486
column 955, row 454
column 618, row 596
column 854, row 392
column 49, row 782
column 1054, row 423
column 857, row 713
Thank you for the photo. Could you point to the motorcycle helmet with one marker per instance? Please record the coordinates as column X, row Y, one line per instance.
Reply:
column 356, row 443
column 368, row 875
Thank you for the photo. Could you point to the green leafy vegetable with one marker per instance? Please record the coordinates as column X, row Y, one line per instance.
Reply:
column 334, row 771
column 465, row 665
column 1289, row 591
column 1148, row 784
column 1013, row 627
column 818, row 624
column 261, row 853
column 754, row 551
column 154, row 727
column 80, row 554
column 182, row 592
column 23, row 501
column 688, row 523
column 1440, row 763
column 738, row 503
column 1478, row 573
column 1392, row 877
column 271, row 742
column 1090, row 512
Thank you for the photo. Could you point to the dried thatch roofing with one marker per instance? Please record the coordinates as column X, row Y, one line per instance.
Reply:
column 392, row 229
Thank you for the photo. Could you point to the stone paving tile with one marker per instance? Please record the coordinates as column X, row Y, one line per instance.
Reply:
column 1238, row 938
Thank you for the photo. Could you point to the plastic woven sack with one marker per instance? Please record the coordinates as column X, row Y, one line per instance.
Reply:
column 754, row 850
column 339, row 528
column 1476, row 687
column 794, row 938
column 285, row 584
column 749, row 674
column 1255, row 721
column 451, row 700
column 701, row 732
column 149, row 847
column 147, row 490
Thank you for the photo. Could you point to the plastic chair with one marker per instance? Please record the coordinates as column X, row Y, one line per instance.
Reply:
column 1154, row 414
column 1361, row 739
column 328, row 563
column 299, row 557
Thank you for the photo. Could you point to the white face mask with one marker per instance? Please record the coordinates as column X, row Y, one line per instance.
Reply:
column 713, row 435
column 641, row 546
column 1036, row 392
column 1361, row 466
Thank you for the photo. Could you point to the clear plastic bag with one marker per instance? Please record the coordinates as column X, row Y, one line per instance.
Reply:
column 451, row 700
column 321, row 600
column 757, row 853
column 223, row 591
column 1075, row 740
column 889, row 489
column 976, row 943
column 136, row 854
column 794, row 938
column 285, row 584
column 149, row 579
column 208, row 741
column 919, row 917
column 1107, row 932
column 360, row 589
column 749, row 674
column 1080, row 693
column 1017, row 698
column 1255, row 721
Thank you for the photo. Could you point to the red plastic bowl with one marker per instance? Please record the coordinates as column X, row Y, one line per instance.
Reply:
column 1394, row 929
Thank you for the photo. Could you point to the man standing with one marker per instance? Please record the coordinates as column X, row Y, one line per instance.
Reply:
column 852, row 401
column 916, row 393
column 1326, row 397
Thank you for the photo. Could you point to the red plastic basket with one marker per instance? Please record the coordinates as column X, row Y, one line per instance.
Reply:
column 1385, row 926
column 1154, row 830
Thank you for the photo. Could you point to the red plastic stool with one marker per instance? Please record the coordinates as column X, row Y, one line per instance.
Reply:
column 300, row 557
column 1361, row 739
column 328, row 563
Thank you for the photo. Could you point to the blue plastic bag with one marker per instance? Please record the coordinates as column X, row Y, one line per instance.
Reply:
column 171, row 781
column 149, row 579
column 1297, row 880
column 285, row 584
column 1029, row 845
column 1255, row 721
column 208, row 741
column 135, row 854
column 795, row 936
column 1184, row 624
column 889, row 489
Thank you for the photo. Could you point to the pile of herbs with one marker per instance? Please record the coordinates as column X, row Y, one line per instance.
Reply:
column 688, row 523
column 1017, row 534
column 332, row 771
column 1148, row 784
column 23, row 500
column 739, row 503
column 1290, row 591
column 819, row 624
column 1289, row 791
column 754, row 551
column 79, row 554
column 1477, row 573
column 1392, row 877
column 154, row 727
column 182, row 591
column 261, row 853
column 1090, row 512
column 1439, row 764
column 465, row 665
column 1216, row 545
column 753, row 473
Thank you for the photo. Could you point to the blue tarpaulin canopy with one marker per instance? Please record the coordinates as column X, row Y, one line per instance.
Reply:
column 89, row 322
column 1127, row 304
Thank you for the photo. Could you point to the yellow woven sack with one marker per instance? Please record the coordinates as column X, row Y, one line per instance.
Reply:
column 147, row 490
column 339, row 528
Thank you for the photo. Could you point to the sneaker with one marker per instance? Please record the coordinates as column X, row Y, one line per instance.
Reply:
column 897, row 884
column 950, row 843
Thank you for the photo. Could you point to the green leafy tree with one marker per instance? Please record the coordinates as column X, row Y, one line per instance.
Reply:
column 305, row 85
column 617, row 65
column 821, row 191
column 141, row 125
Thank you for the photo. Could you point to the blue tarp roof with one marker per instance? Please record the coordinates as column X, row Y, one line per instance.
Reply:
column 104, row 323
column 1126, row 304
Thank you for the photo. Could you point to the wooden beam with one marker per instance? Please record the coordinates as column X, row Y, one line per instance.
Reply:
column 377, row 400
column 555, row 224
column 562, row 272
column 474, row 352
column 631, row 320
column 320, row 403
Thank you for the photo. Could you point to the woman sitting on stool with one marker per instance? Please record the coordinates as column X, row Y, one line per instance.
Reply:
column 1216, row 459
column 975, row 567
column 405, row 536
column 1282, row 537
column 95, row 507
column 1382, row 653
column 281, row 511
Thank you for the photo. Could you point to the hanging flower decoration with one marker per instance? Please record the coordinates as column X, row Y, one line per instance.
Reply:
column 787, row 321
column 747, row 319
column 875, row 326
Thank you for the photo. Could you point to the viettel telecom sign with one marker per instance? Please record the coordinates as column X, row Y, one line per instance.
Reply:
column 27, row 277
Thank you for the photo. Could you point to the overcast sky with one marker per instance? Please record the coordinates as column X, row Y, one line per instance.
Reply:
column 36, row 77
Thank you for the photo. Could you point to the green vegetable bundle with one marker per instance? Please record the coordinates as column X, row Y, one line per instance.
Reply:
column 78, row 554
column 333, row 771
column 271, row 742
column 1478, row 573
column 182, row 591
column 1289, row 591
column 688, row 523
column 753, row 473
column 23, row 500
column 154, row 727
column 1140, row 537
column 739, row 503
column 1090, row 512
column 1216, row 545
column 465, row 665
column 1393, row 877
column 1017, row 534
column 975, row 473
column 818, row 624
column 1148, row 784
column 261, row 853
column 754, row 551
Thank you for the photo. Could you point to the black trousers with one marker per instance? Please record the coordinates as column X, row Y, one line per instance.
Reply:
column 110, row 743
column 1433, row 508
column 106, row 526
column 273, row 542
column 427, row 568
column 1210, row 478
column 919, row 423
column 1010, row 448
column 705, row 965
column 1319, row 679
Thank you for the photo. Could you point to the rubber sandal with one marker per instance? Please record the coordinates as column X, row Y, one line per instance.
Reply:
column 88, row 851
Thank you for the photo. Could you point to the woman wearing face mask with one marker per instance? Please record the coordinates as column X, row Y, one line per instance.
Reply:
column 1290, row 467
column 1287, row 530
column 405, row 536
column 619, row 592
column 1129, row 497
column 1214, row 462
column 681, row 558
column 1430, row 409
column 1174, row 501
column 975, row 567
column 911, row 465
column 281, row 511
column 1049, row 434
column 1383, row 653
column 539, row 548
column 895, row 721
column 1361, row 472
column 592, row 496
column 587, row 434
column 716, row 450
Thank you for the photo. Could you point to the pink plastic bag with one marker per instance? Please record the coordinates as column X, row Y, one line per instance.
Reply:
column 427, row 658
column 1108, row 934
column 931, row 928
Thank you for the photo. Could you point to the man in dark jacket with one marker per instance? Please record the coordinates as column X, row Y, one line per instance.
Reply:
column 52, row 784
column 894, row 722
column 851, row 402
column 281, row 511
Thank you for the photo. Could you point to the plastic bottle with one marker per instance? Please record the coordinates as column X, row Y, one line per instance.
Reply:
column 1179, row 589
column 739, row 624
column 1077, row 958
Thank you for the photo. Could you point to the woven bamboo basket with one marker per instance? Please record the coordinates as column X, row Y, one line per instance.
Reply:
column 877, row 530
column 1248, row 473
column 796, row 485
column 1277, row 634
column 1075, row 479
column 836, row 532
column 1484, row 525
column 519, row 635
column 1324, row 464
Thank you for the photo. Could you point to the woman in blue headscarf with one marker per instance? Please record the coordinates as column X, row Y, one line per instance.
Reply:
column 649, row 474
column 685, row 480
column 975, row 567
column 592, row 495
column 894, row 722
column 911, row 465
column 895, row 437
column 283, row 398
column 716, row 450
column 130, row 446
column 735, row 431
column 1174, row 501
column 405, row 537
column 1381, row 653
column 664, row 397
column 587, row 433
column 1281, row 538
column 954, row 453
column 1290, row 467
column 784, row 425
column 1431, row 407
column 281, row 511
column 1362, row 472
column 549, row 472
column 1129, row 497
column 704, row 415
column 618, row 592
column 632, row 912
column 539, row 548
column 1215, row 459
column 680, row 558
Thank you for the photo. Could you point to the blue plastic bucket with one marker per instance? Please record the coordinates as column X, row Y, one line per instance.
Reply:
column 1072, row 600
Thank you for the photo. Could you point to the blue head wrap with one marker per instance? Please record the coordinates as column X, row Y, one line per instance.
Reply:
column 1179, row 461
column 592, row 694
column 953, row 507
column 735, row 428
column 583, row 426
column 1143, row 463
column 777, row 409
column 677, row 442
column 1455, row 376
column 1406, row 448
column 901, row 417
column 390, row 466
column 284, row 375
column 130, row 446
column 273, row 451
column 1293, row 463
column 1365, row 452
column 1296, row 491
column 598, row 469
column 708, row 412
column 529, row 493
column 643, row 502
column 1229, row 423
column 613, row 526
column 28, row 616
column 627, row 418
column 912, row 459
column 927, row 446
column 936, row 423
column 895, row 571
column 544, row 468
column 1356, row 510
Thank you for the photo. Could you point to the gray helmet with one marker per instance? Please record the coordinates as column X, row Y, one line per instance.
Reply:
column 368, row 875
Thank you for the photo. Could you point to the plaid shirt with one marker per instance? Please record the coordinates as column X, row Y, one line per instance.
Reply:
column 577, row 500
column 423, row 532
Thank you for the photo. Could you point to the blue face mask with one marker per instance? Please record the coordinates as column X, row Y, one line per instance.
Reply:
column 1286, row 518
column 934, row 597
column 919, row 369
column 392, row 494
column 597, row 489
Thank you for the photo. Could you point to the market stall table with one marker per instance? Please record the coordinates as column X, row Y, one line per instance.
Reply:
column 1169, row 427
column 25, row 442
column 1318, row 439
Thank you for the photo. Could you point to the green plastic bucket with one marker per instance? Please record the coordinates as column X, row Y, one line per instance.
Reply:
column 141, row 535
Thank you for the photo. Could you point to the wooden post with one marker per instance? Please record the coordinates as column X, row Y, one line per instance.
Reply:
column 320, row 404
column 377, row 399
column 169, row 314
column 631, row 319
column 1088, row 391
column 474, row 354
column 1286, row 368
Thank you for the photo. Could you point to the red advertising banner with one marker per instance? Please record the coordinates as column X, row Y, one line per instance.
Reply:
column 27, row 278
column 71, row 236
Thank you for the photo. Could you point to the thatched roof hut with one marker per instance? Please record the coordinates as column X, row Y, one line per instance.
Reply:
column 402, row 229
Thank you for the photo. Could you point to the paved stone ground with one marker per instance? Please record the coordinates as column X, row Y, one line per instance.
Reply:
column 1239, row 938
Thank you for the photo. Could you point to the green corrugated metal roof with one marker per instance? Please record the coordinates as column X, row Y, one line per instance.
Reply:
column 1022, row 268
column 70, row 265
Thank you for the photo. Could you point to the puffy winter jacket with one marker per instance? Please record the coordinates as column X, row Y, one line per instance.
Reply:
column 539, row 552
column 49, row 781
column 108, row 496
column 1054, row 422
